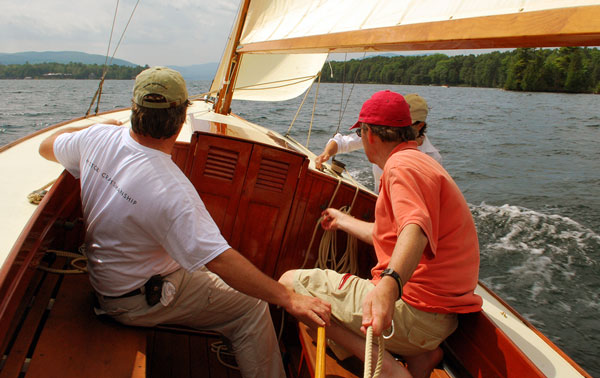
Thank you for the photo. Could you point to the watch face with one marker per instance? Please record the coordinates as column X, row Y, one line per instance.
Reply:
column 387, row 272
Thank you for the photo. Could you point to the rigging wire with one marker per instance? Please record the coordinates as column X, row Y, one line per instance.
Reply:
column 342, row 97
column 353, row 83
column 98, row 93
column 312, row 117
column 351, row 90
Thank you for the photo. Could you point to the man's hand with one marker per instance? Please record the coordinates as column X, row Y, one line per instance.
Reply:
column 319, row 160
column 378, row 308
column 331, row 219
column 309, row 310
column 112, row 121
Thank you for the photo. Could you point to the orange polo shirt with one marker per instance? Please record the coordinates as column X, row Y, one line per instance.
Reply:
column 416, row 189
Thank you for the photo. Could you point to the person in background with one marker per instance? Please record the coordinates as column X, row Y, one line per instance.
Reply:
column 347, row 143
column 155, row 255
column 426, row 246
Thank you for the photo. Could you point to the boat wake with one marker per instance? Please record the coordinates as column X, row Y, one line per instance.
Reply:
column 534, row 259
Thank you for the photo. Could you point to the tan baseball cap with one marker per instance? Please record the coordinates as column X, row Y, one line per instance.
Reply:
column 159, row 88
column 418, row 107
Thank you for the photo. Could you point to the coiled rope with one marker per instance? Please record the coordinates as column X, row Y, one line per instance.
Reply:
column 221, row 349
column 327, row 253
column 37, row 196
column 76, row 258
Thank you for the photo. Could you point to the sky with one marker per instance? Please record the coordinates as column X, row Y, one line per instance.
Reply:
column 161, row 32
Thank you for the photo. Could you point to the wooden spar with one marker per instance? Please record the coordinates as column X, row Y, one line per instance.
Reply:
column 320, row 362
column 577, row 26
column 226, row 93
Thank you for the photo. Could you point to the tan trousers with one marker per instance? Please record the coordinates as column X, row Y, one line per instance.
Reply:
column 415, row 331
column 203, row 301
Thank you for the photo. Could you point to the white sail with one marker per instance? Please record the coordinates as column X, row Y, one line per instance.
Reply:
column 270, row 20
column 280, row 38
column 276, row 77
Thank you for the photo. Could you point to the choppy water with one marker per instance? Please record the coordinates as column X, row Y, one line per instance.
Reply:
column 527, row 163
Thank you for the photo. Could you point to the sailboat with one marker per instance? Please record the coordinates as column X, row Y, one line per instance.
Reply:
column 245, row 172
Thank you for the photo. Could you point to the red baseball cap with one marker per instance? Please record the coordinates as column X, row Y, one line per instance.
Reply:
column 385, row 108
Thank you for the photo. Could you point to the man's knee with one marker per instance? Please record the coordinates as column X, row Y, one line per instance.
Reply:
column 287, row 279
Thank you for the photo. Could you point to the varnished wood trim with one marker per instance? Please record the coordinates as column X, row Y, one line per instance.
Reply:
column 578, row 26
column 537, row 332
column 54, row 203
column 36, row 133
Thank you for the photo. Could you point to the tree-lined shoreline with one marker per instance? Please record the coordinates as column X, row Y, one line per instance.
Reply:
column 567, row 69
column 68, row 71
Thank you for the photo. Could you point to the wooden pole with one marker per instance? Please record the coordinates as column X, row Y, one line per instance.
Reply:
column 320, row 361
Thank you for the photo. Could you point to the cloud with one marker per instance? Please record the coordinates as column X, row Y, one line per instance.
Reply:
column 175, row 32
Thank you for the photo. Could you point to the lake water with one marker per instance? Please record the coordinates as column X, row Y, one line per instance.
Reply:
column 527, row 163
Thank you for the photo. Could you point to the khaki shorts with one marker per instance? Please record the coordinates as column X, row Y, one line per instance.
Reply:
column 415, row 331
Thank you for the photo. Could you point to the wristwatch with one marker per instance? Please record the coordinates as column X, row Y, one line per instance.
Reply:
column 390, row 272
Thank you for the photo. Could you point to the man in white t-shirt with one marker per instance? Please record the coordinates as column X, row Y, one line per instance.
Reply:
column 341, row 144
column 147, row 230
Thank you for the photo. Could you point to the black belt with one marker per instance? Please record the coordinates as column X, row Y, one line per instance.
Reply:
column 132, row 293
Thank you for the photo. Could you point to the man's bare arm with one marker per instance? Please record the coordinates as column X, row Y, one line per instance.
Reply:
column 242, row 275
column 47, row 146
column 378, row 305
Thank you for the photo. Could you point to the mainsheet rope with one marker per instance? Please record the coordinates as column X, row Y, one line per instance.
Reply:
column 368, row 372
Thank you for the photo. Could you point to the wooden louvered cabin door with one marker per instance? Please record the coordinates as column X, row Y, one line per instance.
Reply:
column 265, row 205
column 218, row 173
column 248, row 189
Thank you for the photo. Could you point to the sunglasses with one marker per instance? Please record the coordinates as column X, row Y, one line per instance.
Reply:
column 359, row 132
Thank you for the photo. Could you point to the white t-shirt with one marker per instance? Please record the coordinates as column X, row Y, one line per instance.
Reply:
column 143, row 216
column 352, row 142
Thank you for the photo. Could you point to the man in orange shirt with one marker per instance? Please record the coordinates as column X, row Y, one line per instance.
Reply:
column 426, row 246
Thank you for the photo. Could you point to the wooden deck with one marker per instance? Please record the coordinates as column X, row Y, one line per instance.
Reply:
column 60, row 336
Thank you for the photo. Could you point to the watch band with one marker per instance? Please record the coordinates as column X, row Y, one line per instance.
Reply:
column 390, row 272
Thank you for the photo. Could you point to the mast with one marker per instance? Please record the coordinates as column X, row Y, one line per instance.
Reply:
column 225, row 95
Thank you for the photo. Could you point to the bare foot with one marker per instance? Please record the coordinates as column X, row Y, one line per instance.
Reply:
column 420, row 366
column 393, row 368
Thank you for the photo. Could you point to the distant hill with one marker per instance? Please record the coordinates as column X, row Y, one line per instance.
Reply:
column 64, row 57
column 204, row 71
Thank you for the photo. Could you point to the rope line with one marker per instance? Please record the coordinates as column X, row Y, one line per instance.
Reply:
column 37, row 196
column 220, row 348
column 298, row 111
column 327, row 252
column 368, row 372
column 76, row 259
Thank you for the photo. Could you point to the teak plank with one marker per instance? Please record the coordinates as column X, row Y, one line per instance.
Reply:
column 18, row 352
column 75, row 343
